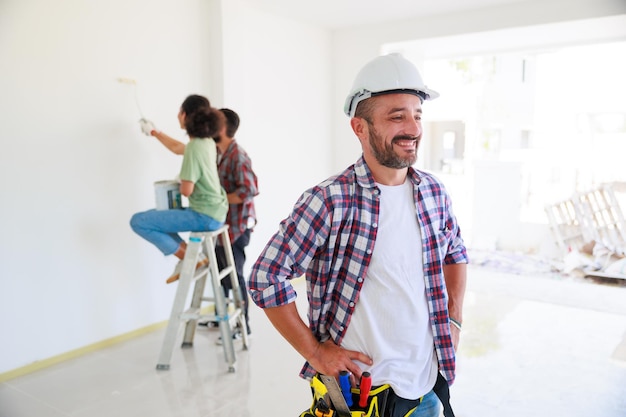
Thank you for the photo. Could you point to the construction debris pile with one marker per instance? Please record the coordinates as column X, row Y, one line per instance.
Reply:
column 590, row 231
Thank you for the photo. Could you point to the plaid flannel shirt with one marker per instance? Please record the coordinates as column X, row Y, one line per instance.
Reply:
column 330, row 236
column 236, row 175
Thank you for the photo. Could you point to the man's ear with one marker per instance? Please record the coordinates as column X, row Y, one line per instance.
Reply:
column 359, row 127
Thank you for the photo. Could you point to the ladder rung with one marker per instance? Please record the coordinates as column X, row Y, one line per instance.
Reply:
column 200, row 272
column 190, row 314
column 224, row 272
column 230, row 317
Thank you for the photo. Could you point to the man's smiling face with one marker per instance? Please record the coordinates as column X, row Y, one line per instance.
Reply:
column 395, row 130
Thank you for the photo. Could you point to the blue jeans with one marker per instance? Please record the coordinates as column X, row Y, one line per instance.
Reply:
column 401, row 407
column 161, row 227
column 429, row 407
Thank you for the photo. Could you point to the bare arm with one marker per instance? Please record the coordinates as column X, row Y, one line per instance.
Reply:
column 186, row 188
column 169, row 142
column 233, row 198
column 455, row 276
column 326, row 358
column 245, row 181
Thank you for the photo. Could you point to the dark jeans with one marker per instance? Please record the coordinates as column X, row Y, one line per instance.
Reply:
column 239, row 254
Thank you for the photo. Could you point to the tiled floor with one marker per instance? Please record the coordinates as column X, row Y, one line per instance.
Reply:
column 532, row 346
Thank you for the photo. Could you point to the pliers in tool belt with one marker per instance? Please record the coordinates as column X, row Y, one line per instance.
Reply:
column 322, row 409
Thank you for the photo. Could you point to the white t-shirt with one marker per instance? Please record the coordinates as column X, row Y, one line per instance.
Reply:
column 390, row 321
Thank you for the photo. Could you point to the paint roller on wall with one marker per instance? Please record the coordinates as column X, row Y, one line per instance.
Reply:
column 167, row 193
column 132, row 82
column 146, row 125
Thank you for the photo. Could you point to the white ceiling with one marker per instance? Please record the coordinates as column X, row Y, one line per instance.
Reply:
column 343, row 13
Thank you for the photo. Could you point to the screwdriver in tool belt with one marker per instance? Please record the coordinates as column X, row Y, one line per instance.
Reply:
column 365, row 386
column 344, row 383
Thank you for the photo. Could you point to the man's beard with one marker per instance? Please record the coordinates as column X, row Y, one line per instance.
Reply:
column 385, row 154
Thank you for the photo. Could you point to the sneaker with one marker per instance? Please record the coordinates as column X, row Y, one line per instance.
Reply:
column 202, row 261
column 236, row 337
column 210, row 324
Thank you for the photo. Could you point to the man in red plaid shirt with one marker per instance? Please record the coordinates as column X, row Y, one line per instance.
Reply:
column 382, row 254
column 240, row 182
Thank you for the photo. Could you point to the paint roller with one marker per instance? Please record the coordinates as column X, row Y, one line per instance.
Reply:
column 133, row 83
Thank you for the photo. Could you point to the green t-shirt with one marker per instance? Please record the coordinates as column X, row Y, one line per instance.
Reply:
column 200, row 167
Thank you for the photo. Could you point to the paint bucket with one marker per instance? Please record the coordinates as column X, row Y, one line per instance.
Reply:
column 167, row 195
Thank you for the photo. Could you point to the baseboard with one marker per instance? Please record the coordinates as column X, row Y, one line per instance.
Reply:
column 73, row 354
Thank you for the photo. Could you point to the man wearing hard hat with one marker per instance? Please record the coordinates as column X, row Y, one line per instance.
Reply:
column 384, row 261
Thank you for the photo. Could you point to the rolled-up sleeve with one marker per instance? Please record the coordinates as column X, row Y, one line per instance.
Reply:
column 246, row 179
column 289, row 252
column 457, row 252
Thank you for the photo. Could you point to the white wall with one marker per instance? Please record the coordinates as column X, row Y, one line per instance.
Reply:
column 277, row 76
column 74, row 166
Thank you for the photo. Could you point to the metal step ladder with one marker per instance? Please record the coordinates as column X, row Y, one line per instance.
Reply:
column 227, row 318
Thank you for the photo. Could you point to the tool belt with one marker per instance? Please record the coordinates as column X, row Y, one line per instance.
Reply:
column 323, row 407
column 380, row 398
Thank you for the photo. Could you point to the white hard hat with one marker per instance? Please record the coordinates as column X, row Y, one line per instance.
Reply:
column 385, row 75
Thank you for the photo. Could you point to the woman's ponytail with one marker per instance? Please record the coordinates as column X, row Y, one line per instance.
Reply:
column 202, row 120
column 204, row 123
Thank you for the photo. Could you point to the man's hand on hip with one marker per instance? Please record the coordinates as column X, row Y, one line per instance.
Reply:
column 330, row 359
